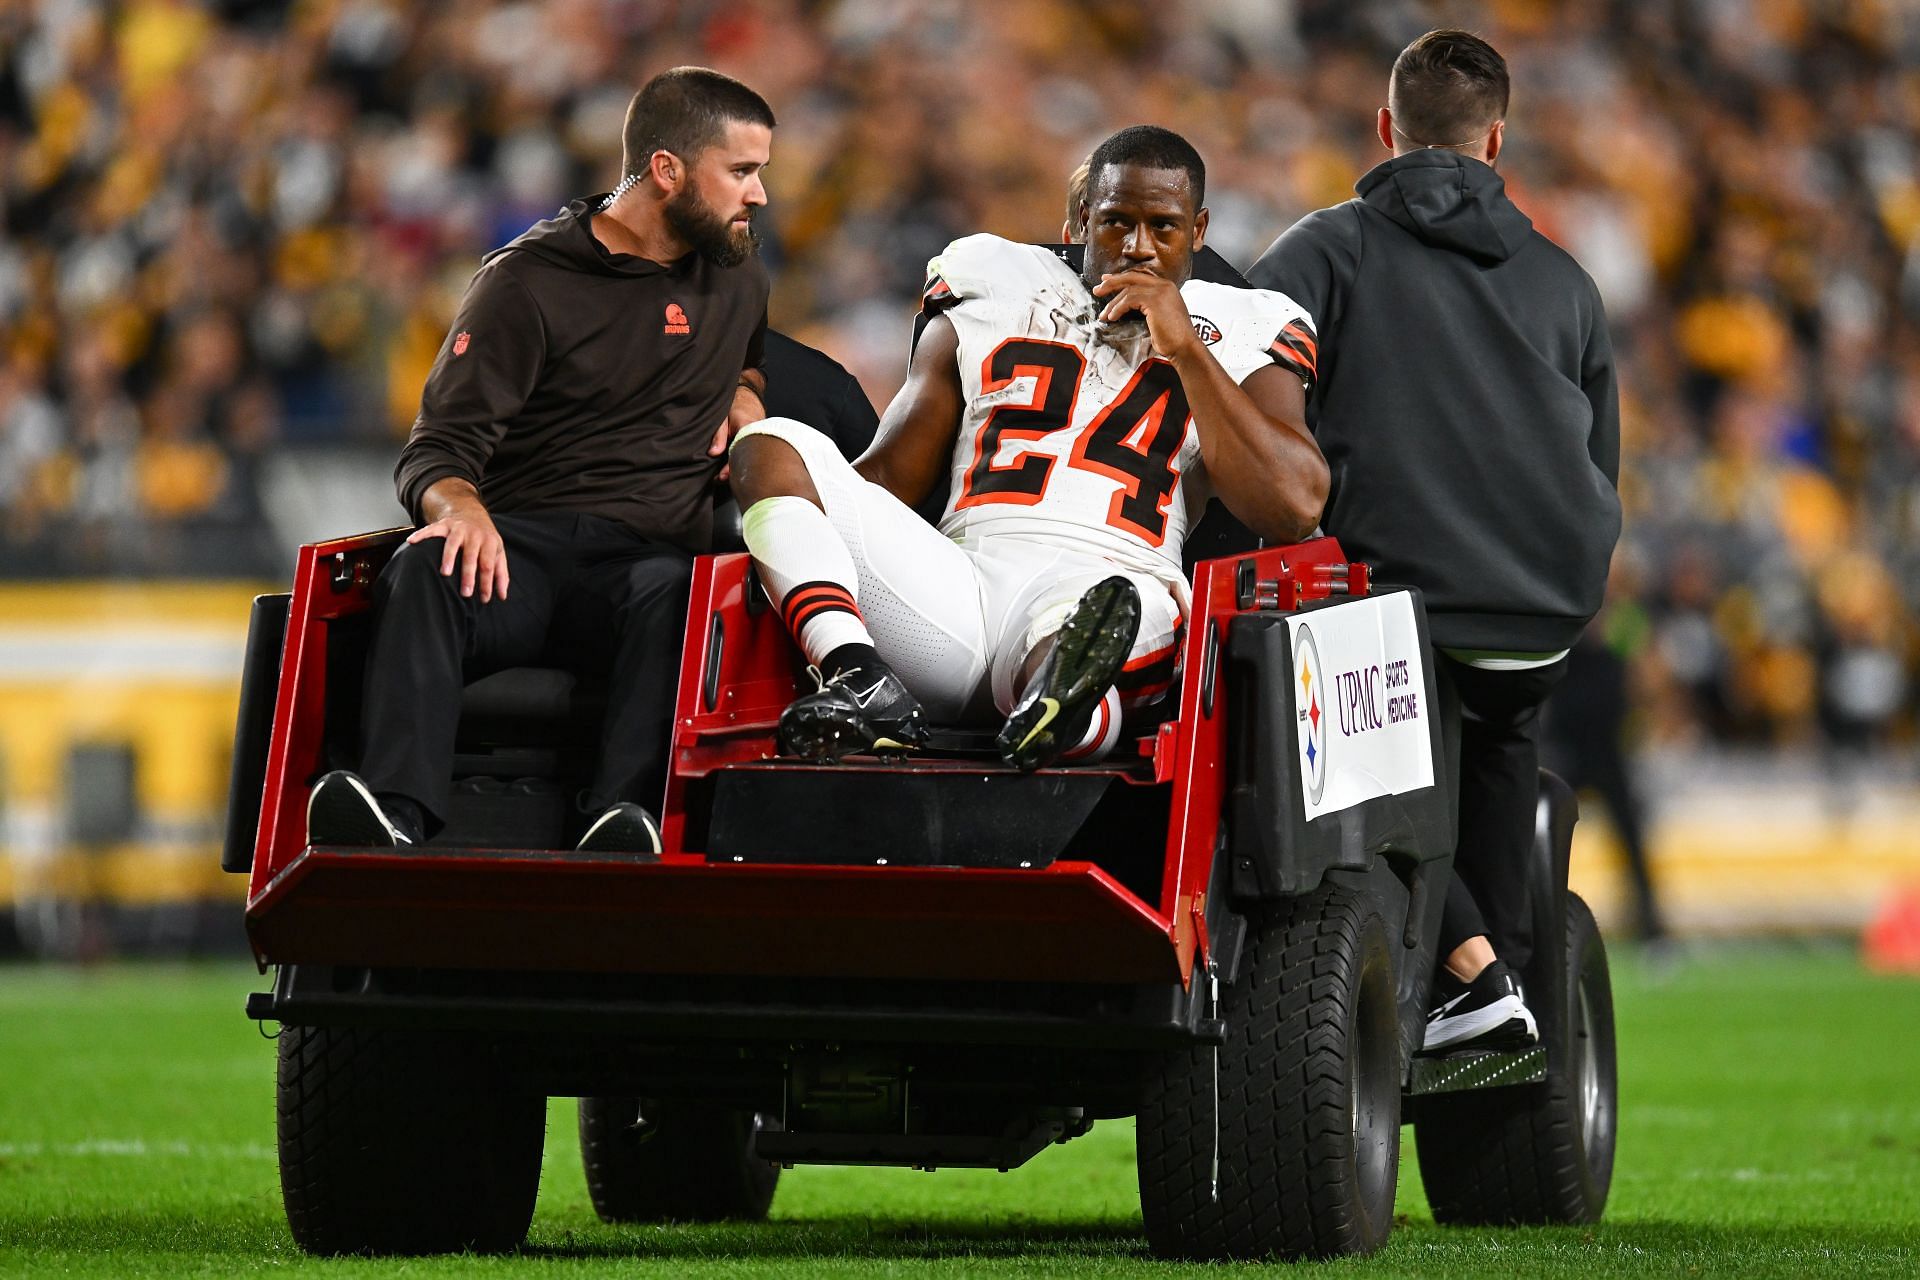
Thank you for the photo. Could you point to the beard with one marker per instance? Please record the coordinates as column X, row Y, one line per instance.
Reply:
column 711, row 234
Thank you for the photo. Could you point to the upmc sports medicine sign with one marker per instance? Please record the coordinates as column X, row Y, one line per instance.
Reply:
column 1359, row 674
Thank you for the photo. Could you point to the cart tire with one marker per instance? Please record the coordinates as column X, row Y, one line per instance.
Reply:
column 392, row 1143
column 1539, row 1153
column 1307, row 1098
column 674, row 1161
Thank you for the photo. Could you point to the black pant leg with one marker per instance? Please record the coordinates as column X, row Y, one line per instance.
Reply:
column 624, row 615
column 1460, row 918
column 1499, row 796
column 429, row 640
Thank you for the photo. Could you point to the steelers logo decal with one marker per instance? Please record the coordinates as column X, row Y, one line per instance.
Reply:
column 1311, row 712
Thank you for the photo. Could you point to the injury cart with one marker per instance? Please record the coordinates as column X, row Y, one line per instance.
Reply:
column 1225, row 930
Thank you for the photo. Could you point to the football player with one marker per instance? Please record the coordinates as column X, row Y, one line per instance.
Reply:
column 1081, row 419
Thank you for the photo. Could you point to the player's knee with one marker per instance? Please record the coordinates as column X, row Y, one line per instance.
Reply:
column 770, row 460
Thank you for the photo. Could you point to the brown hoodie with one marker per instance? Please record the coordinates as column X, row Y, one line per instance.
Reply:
column 575, row 379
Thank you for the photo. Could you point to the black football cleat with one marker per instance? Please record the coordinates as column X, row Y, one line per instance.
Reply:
column 623, row 828
column 341, row 811
column 1088, row 652
column 863, row 708
column 1488, row 1013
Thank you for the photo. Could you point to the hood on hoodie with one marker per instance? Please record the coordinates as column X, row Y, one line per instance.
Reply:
column 1449, row 201
column 567, row 241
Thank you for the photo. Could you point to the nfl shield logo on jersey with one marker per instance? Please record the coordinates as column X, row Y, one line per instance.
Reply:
column 1209, row 331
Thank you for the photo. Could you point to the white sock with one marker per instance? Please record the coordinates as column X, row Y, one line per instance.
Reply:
column 1103, row 731
column 809, row 573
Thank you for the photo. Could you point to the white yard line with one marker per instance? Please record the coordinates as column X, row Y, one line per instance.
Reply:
column 139, row 1147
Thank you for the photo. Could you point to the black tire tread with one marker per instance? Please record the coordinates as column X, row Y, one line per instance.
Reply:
column 1501, row 1157
column 692, row 1163
column 381, row 1152
column 1285, row 1184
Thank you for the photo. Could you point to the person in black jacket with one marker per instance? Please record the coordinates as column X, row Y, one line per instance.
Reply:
column 563, row 466
column 811, row 386
column 1465, row 402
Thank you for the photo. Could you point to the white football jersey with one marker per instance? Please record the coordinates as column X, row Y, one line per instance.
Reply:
column 1075, row 432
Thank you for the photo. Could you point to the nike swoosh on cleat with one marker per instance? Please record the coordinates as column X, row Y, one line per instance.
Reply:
column 1052, row 709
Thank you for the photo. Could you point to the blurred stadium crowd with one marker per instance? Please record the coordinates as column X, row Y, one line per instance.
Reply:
column 236, row 229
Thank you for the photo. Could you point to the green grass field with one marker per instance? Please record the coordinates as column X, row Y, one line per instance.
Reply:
column 1770, row 1127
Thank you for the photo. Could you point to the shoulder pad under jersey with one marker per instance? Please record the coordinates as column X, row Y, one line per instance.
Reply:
column 988, row 268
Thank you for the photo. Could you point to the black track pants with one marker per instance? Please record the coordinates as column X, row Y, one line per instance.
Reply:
column 585, row 593
column 1499, row 771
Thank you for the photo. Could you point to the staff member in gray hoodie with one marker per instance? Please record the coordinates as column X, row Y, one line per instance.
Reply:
column 1464, row 398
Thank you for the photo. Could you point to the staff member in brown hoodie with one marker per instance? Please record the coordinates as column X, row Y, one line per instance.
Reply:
column 563, row 464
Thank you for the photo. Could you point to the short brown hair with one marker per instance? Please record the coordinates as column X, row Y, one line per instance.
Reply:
column 1447, row 88
column 685, row 111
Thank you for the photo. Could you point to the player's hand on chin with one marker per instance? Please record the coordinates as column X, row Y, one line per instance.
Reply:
column 1158, row 300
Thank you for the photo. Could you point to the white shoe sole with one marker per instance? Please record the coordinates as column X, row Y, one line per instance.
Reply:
column 1469, row 1026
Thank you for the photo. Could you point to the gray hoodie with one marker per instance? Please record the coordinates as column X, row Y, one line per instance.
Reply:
column 1464, row 399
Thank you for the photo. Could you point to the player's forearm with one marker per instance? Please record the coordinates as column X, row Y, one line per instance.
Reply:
column 1267, row 470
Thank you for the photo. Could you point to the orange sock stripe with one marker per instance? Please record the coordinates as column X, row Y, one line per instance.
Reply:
column 809, row 597
column 799, row 602
column 810, row 612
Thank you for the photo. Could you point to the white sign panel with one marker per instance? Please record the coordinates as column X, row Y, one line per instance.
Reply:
column 1360, row 690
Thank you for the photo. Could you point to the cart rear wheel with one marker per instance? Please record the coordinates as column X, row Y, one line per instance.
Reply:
column 1303, row 1115
column 674, row 1161
column 1539, row 1153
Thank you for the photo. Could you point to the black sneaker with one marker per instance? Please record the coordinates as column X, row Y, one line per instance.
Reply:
column 863, row 708
column 1488, row 1013
column 624, row 828
column 341, row 811
column 1088, row 652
